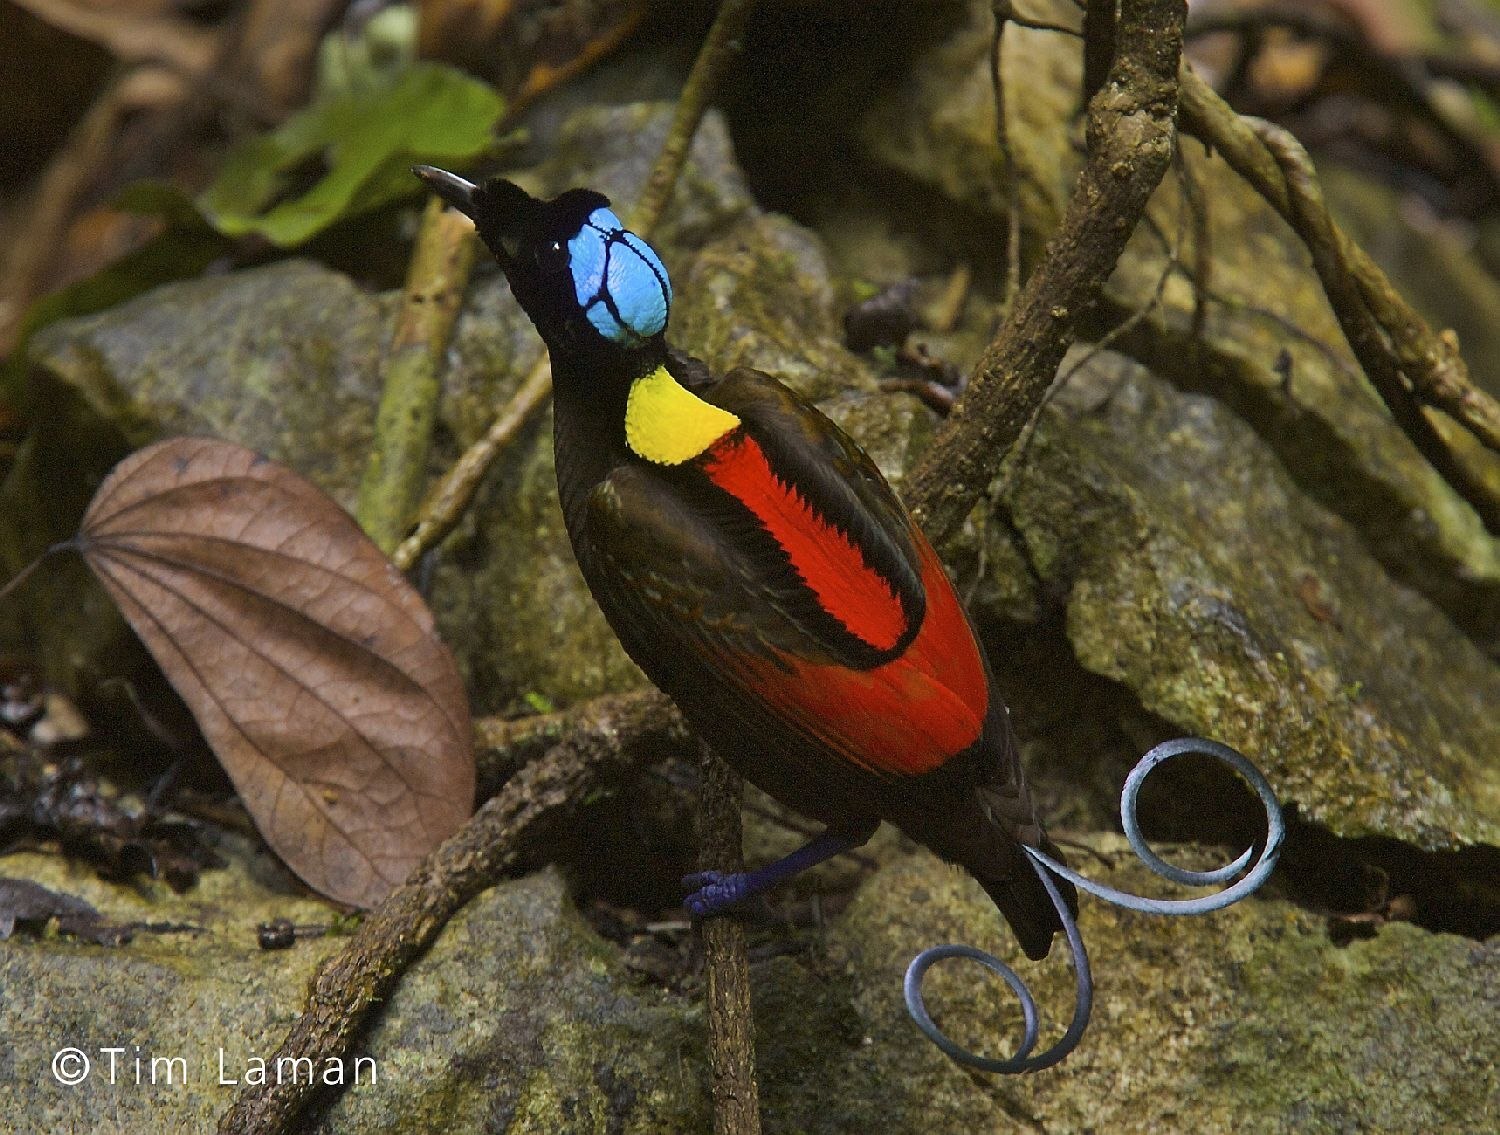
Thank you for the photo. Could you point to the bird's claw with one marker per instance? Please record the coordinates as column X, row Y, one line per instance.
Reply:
column 713, row 891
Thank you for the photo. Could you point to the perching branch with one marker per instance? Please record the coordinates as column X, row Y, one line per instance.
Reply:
column 731, row 1025
column 1131, row 134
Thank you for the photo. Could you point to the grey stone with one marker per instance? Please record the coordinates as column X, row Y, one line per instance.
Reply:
column 520, row 1019
column 1249, row 1019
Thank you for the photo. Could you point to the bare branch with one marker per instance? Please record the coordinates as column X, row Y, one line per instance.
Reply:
column 1387, row 335
column 1131, row 134
column 608, row 740
column 436, row 279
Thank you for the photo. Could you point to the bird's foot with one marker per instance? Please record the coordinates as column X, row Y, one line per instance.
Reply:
column 714, row 891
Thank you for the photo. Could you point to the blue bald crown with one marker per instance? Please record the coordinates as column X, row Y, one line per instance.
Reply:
column 619, row 282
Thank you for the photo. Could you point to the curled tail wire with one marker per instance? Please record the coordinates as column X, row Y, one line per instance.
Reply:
column 1046, row 867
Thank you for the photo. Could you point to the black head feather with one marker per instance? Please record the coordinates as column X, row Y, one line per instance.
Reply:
column 604, row 294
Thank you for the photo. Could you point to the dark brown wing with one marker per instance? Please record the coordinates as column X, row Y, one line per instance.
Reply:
column 713, row 628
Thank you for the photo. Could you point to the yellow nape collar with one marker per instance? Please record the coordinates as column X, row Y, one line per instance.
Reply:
column 667, row 424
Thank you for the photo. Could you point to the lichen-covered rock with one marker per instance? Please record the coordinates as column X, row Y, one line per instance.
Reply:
column 521, row 1020
column 936, row 124
column 178, row 995
column 518, row 1020
column 1194, row 572
column 733, row 309
column 1249, row 1019
column 1272, row 350
column 284, row 359
column 612, row 149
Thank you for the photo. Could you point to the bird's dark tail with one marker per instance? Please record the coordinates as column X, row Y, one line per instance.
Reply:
column 1024, row 902
column 1015, row 886
column 986, row 815
column 983, row 832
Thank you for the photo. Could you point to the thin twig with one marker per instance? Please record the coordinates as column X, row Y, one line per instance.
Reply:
column 1336, row 360
column 450, row 498
column 1365, row 335
column 436, row 279
column 1003, row 14
column 1130, row 135
column 702, row 82
column 1437, row 369
column 1201, row 276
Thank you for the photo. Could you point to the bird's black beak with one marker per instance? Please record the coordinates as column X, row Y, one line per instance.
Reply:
column 450, row 187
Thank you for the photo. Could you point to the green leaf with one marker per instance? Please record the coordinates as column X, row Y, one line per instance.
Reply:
column 365, row 143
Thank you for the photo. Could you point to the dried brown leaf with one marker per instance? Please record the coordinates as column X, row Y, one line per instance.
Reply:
column 312, row 667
